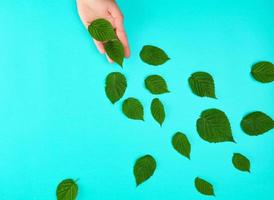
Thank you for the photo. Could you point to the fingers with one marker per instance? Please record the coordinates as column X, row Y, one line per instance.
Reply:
column 99, row 46
column 119, row 25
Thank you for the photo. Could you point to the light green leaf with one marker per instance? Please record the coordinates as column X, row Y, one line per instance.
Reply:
column 116, row 85
column 241, row 162
column 115, row 51
column 101, row 30
column 202, row 84
column 156, row 84
column 144, row 168
column 133, row 109
column 263, row 72
column 181, row 144
column 67, row 190
column 213, row 126
column 153, row 55
column 158, row 111
column 257, row 123
column 204, row 187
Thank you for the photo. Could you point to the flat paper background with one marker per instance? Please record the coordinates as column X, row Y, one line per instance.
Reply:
column 56, row 122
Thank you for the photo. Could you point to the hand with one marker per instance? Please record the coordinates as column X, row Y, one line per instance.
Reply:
column 90, row 10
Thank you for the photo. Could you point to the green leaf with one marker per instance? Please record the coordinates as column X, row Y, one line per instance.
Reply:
column 101, row 30
column 67, row 190
column 263, row 72
column 158, row 111
column 116, row 85
column 115, row 51
column 256, row 123
column 202, row 84
column 241, row 162
column 153, row 55
column 144, row 168
column 204, row 187
column 156, row 84
column 213, row 126
column 181, row 144
column 133, row 109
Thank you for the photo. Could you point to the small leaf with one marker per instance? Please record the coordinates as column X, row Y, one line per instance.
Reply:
column 204, row 187
column 116, row 85
column 181, row 144
column 213, row 126
column 240, row 162
column 115, row 51
column 156, row 84
column 144, row 168
column 263, row 72
column 257, row 123
column 133, row 109
column 101, row 30
column 67, row 190
column 153, row 55
column 158, row 111
column 202, row 84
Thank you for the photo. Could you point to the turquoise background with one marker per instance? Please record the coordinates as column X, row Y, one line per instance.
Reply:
column 56, row 122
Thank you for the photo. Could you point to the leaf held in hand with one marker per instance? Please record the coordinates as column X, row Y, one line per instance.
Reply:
column 204, row 187
column 158, row 111
column 181, row 144
column 115, row 51
column 67, row 190
column 144, row 168
column 101, row 30
column 153, row 55
column 156, row 84
column 202, row 84
column 213, row 126
column 263, row 72
column 133, row 109
column 116, row 85
column 257, row 123
column 241, row 162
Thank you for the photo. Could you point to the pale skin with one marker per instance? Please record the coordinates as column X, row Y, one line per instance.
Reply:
column 90, row 10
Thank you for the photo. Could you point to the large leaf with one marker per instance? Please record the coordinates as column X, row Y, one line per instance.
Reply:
column 204, row 187
column 116, row 85
column 67, row 190
column 101, row 30
column 115, row 51
column 133, row 109
column 158, row 111
column 256, row 123
column 213, row 126
column 241, row 162
column 202, row 84
column 263, row 71
column 156, row 84
column 144, row 168
column 153, row 55
column 181, row 144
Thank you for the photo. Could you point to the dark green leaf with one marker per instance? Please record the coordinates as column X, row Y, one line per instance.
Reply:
column 158, row 111
column 213, row 126
column 67, row 190
column 101, row 30
column 240, row 162
column 116, row 85
column 181, row 144
column 156, row 84
column 133, row 109
column 144, row 168
column 204, row 187
column 115, row 51
column 263, row 72
column 256, row 123
column 153, row 55
column 202, row 84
